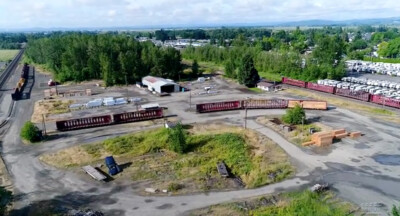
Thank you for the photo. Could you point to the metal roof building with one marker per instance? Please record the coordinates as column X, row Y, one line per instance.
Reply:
column 160, row 85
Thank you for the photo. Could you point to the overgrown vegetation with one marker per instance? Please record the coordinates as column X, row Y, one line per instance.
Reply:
column 303, row 203
column 295, row 116
column 30, row 132
column 149, row 152
column 177, row 139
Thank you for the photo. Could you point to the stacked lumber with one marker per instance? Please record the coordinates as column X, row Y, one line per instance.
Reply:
column 322, row 139
column 339, row 134
column 355, row 135
column 308, row 143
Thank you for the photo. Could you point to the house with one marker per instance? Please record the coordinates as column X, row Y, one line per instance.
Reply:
column 266, row 86
column 160, row 85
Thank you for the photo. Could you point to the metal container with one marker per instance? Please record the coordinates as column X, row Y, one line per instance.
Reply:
column 322, row 88
column 309, row 104
column 293, row 82
column 218, row 106
column 138, row 116
column 265, row 104
column 81, row 123
column 385, row 101
column 359, row 95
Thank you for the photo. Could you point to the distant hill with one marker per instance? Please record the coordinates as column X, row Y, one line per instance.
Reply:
column 395, row 21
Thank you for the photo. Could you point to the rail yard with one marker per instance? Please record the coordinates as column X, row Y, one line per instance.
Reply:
column 361, row 158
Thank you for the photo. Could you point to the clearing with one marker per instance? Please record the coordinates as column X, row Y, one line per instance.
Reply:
column 48, row 107
column 145, row 157
column 7, row 55
column 303, row 203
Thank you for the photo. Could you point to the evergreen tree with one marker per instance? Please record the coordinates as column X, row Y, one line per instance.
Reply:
column 195, row 69
column 248, row 75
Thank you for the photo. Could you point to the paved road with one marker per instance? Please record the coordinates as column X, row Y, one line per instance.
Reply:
column 348, row 165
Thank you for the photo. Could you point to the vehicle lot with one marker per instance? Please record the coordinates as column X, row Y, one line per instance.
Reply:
column 349, row 165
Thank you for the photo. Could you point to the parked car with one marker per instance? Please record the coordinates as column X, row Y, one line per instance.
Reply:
column 113, row 168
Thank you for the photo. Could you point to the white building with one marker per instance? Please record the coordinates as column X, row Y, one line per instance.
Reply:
column 160, row 85
column 265, row 86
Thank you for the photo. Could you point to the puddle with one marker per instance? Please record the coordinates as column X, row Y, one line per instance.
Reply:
column 391, row 160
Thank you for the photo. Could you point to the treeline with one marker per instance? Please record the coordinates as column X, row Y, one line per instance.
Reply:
column 117, row 59
column 281, row 59
column 11, row 40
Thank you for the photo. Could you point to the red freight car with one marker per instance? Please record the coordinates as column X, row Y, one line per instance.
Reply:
column 385, row 101
column 322, row 88
column 265, row 104
column 218, row 106
column 81, row 123
column 293, row 82
column 359, row 95
column 138, row 116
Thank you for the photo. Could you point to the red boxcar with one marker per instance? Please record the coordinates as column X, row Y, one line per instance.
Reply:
column 138, row 116
column 218, row 106
column 265, row 104
column 81, row 123
column 359, row 95
column 293, row 82
column 322, row 88
column 385, row 101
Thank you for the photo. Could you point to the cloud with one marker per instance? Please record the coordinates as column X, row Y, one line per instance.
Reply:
column 98, row 13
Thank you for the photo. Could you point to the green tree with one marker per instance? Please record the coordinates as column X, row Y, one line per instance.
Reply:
column 230, row 69
column 295, row 115
column 395, row 211
column 177, row 139
column 30, row 132
column 6, row 198
column 195, row 69
column 248, row 74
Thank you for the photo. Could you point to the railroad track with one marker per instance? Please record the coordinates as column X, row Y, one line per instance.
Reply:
column 3, row 79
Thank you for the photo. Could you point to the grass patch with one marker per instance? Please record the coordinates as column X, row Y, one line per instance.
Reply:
column 7, row 55
column 303, row 203
column 256, row 90
column 204, row 67
column 256, row 160
column 388, row 60
column 49, row 107
column 270, row 76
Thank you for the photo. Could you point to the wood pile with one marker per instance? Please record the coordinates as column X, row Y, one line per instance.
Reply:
column 323, row 139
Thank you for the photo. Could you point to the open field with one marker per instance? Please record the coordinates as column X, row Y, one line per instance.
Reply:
column 47, row 107
column 254, row 158
column 270, row 76
column 375, row 112
column 7, row 55
column 205, row 67
column 303, row 203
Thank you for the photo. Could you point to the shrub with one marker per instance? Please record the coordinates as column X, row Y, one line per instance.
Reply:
column 6, row 198
column 174, row 187
column 30, row 132
column 295, row 115
column 177, row 139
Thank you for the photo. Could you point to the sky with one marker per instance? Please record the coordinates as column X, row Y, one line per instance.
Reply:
column 170, row 13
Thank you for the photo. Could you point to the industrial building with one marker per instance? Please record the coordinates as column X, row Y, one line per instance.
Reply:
column 160, row 85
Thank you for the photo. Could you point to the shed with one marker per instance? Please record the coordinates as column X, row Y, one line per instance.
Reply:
column 160, row 85
column 265, row 86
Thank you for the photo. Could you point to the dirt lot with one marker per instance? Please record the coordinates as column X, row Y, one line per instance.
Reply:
column 48, row 108
column 299, row 134
column 153, row 165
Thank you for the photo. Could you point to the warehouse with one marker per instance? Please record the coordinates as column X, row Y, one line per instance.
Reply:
column 160, row 85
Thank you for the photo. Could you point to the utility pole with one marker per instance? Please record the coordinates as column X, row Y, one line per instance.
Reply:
column 245, row 118
column 44, row 125
column 190, row 97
